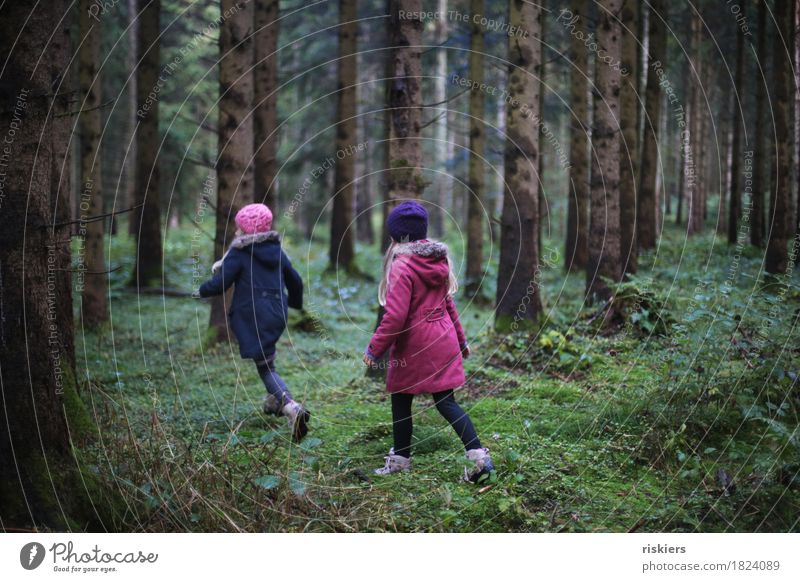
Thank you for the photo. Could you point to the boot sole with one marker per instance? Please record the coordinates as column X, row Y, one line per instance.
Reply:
column 301, row 426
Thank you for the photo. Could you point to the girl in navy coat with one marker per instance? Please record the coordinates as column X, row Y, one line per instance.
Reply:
column 266, row 286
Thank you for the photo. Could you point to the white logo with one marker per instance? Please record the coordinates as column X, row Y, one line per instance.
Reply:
column 31, row 555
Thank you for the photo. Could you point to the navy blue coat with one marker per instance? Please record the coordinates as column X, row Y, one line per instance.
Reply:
column 263, row 274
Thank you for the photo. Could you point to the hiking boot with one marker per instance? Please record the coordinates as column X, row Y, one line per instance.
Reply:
column 298, row 418
column 394, row 464
column 483, row 465
column 271, row 405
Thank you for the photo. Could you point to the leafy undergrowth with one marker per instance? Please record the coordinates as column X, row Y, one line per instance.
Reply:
column 683, row 419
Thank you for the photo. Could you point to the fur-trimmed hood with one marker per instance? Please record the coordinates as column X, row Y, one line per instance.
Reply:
column 262, row 253
column 428, row 259
column 424, row 248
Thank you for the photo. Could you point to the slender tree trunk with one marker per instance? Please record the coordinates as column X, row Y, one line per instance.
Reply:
column 342, row 249
column 727, row 183
column 519, row 303
column 41, row 413
column 92, row 280
column 576, row 252
column 629, row 147
column 147, row 270
column 365, row 185
column 265, row 101
column 604, row 229
column 777, row 257
column 130, row 141
column 440, row 127
column 476, row 194
column 737, row 120
column 646, row 210
column 234, row 167
column 693, row 183
column 544, row 217
column 761, row 154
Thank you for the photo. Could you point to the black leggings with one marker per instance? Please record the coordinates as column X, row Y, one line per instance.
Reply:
column 447, row 406
column 273, row 382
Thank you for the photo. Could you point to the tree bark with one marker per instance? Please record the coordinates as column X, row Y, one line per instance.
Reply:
column 629, row 147
column 777, row 258
column 762, row 149
column 405, row 101
column 576, row 253
column 475, row 206
column 738, row 112
column 234, row 168
column 694, row 167
column 647, row 213
column 265, row 101
column 519, row 302
column 342, row 249
column 41, row 413
column 604, row 229
column 92, row 280
column 147, row 270
column 440, row 127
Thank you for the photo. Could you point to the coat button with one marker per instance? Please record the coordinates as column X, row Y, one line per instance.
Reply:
column 263, row 293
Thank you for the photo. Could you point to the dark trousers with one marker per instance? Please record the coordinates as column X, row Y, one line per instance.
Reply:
column 446, row 405
column 273, row 382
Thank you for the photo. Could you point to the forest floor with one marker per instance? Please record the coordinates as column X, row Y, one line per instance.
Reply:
column 683, row 419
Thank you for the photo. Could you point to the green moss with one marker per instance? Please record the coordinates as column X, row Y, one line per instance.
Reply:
column 81, row 425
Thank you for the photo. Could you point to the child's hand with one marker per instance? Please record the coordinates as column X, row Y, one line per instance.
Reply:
column 368, row 361
column 465, row 352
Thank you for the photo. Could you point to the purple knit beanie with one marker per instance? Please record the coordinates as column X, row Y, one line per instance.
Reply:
column 408, row 222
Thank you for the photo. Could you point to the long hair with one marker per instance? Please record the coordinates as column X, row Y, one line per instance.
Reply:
column 388, row 259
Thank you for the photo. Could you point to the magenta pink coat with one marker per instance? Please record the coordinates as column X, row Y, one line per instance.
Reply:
column 420, row 325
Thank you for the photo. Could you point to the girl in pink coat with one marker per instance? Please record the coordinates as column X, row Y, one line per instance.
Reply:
column 421, row 331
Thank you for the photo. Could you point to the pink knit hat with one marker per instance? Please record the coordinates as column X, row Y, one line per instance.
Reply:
column 254, row 218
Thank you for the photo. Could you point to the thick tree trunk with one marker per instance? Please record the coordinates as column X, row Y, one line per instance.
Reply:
column 130, row 139
column 777, row 258
column 91, row 277
column 604, row 231
column 41, row 414
column 693, row 160
column 737, row 174
column 234, row 167
column 629, row 147
column 342, row 245
column 265, row 102
column 761, row 154
column 646, row 211
column 476, row 194
column 405, row 101
column 576, row 252
column 147, row 270
column 519, row 303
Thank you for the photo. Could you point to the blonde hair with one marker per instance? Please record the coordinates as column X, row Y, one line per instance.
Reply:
column 388, row 259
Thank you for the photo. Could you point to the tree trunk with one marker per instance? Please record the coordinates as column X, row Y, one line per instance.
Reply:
column 41, row 413
column 133, row 97
column 737, row 174
column 147, row 271
column 693, row 186
column 342, row 249
column 234, row 168
column 647, row 214
column 777, row 257
column 91, row 277
column 761, row 154
column 629, row 147
column 440, row 127
column 519, row 303
column 576, row 251
column 604, row 230
column 265, row 101
column 405, row 101
column 476, row 194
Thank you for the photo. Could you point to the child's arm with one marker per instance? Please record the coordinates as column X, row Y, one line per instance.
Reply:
column 223, row 278
column 451, row 309
column 398, row 300
column 293, row 282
